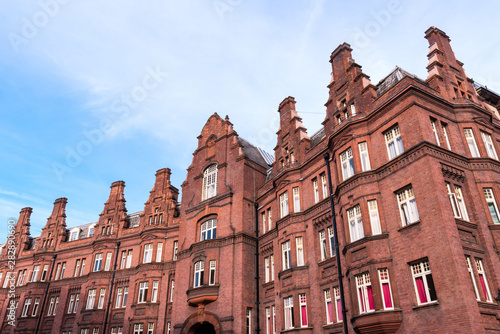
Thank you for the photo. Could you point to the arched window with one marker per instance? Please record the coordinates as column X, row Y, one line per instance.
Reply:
column 208, row 229
column 209, row 182
column 199, row 267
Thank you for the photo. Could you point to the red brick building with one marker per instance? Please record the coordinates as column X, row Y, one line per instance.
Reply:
column 416, row 181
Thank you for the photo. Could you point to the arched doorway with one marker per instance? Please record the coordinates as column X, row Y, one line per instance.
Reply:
column 204, row 328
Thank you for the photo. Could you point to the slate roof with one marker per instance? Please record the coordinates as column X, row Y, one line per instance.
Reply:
column 317, row 137
column 253, row 153
column 393, row 78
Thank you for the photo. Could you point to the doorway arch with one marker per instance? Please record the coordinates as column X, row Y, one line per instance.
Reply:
column 202, row 322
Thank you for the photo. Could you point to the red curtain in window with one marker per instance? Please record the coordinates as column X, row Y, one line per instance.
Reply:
column 370, row 297
column 483, row 284
column 330, row 312
column 339, row 310
column 421, row 290
column 303, row 312
column 387, row 295
column 362, row 299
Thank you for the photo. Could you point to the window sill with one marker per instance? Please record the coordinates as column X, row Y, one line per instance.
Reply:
column 409, row 226
column 427, row 305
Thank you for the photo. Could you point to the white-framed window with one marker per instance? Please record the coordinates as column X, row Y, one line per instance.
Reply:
column 82, row 268
column 55, row 305
column 95, row 330
column 365, row 293
column 91, row 231
column 208, row 230
column 209, row 182
column 63, row 269
column 84, row 331
column 102, row 295
column 45, row 270
column 488, row 143
column 385, row 287
column 303, row 310
column 168, row 327
column 315, row 190
column 324, row 185
column 267, row 269
column 72, row 303
column 138, row 328
column 20, row 278
column 328, row 306
column 394, row 142
column 154, row 292
column 484, row 282
column 286, row 255
column 288, row 308
column 199, row 268
column 296, row 199
column 331, row 238
column 211, row 276
column 26, row 306
column 338, row 303
column 269, row 324
column 355, row 223
column 91, row 299
column 77, row 268
column 263, row 215
column 457, row 201
column 58, row 271
column 172, row 284
column 347, row 163
column 98, row 262
column 37, row 303
column 374, row 217
column 151, row 327
column 148, row 253
column 353, row 109
column 435, row 131
column 119, row 296
column 269, row 220
column 249, row 320
column 322, row 245
column 272, row 267
column 492, row 205
column 300, row 251
column 471, row 142
column 143, row 292
column 423, row 282
column 364, row 156
column 284, row 204
column 125, row 296
column 273, row 311
column 107, row 264
column 407, row 206
column 34, row 274
column 176, row 248
column 471, row 274
column 445, row 135
column 73, row 234
column 159, row 251
column 129, row 259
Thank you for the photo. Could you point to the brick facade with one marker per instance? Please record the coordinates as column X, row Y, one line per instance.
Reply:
column 415, row 173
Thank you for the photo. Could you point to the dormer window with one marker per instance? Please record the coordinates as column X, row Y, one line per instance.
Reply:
column 73, row 234
column 209, row 182
column 91, row 230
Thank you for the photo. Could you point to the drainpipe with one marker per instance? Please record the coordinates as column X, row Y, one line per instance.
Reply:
column 257, row 277
column 326, row 156
column 111, row 289
column 39, row 319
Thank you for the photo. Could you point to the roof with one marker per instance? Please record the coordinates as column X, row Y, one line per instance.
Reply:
column 134, row 219
column 254, row 153
column 393, row 78
column 317, row 137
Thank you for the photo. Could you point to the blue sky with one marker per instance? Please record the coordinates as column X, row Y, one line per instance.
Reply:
column 94, row 92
